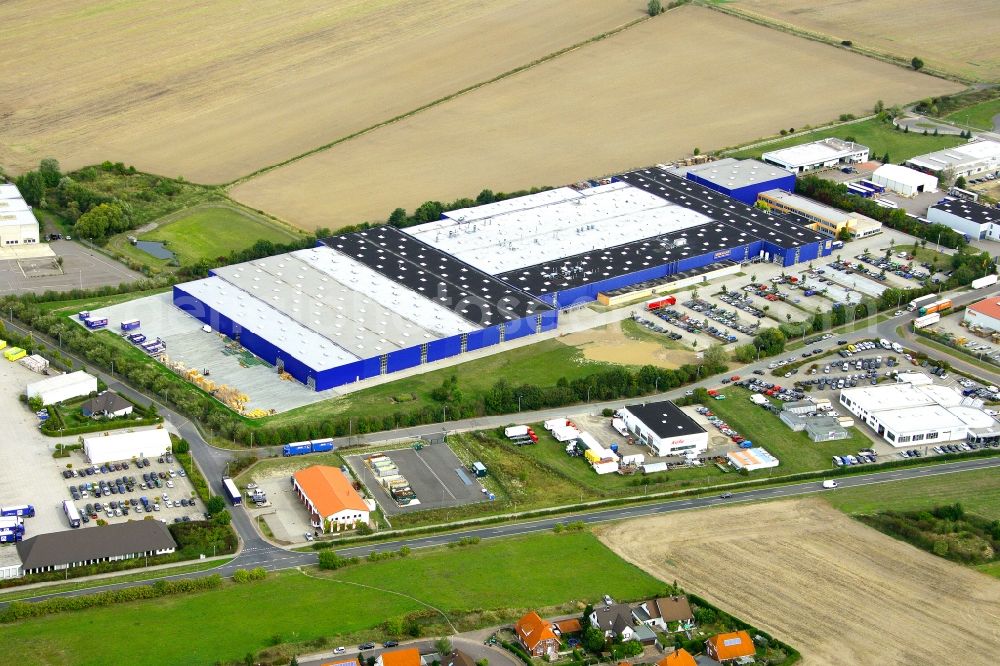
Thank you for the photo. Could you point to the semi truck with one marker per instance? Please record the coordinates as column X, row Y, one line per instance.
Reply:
column 83, row 316
column 984, row 281
column 917, row 302
column 312, row 446
column 96, row 322
column 232, row 492
column 927, row 320
column 130, row 325
column 936, row 306
column 660, row 302
column 25, row 510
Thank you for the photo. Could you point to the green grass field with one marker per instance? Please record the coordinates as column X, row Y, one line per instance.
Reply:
column 881, row 137
column 978, row 115
column 292, row 607
column 978, row 491
column 210, row 232
column 542, row 364
column 633, row 330
column 795, row 450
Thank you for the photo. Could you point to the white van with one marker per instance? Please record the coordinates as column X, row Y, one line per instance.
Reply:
column 829, row 484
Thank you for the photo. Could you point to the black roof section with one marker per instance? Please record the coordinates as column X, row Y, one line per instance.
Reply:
column 108, row 401
column 665, row 419
column 597, row 265
column 774, row 228
column 969, row 210
column 94, row 543
column 479, row 298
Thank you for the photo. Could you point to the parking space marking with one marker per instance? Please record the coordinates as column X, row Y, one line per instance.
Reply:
column 443, row 484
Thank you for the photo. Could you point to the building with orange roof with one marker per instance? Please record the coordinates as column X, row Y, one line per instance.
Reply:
column 404, row 657
column 726, row 647
column 330, row 498
column 985, row 313
column 536, row 635
column 679, row 657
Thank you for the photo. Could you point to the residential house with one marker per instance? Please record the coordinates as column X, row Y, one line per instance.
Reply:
column 661, row 612
column 570, row 626
column 726, row 647
column 680, row 657
column 107, row 404
column 456, row 658
column 404, row 657
column 615, row 620
column 537, row 635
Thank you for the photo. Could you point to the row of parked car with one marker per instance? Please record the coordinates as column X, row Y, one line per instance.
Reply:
column 863, row 456
column 724, row 428
column 653, row 326
column 108, row 468
column 772, row 390
column 744, row 303
column 720, row 315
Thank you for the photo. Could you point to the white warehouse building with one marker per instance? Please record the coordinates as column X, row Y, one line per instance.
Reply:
column 665, row 429
column 967, row 217
column 970, row 159
column 817, row 154
column 125, row 446
column 901, row 180
column 908, row 415
column 18, row 225
column 62, row 387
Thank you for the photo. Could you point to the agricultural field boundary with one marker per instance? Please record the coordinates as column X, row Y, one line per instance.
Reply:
column 437, row 102
column 829, row 40
column 812, row 130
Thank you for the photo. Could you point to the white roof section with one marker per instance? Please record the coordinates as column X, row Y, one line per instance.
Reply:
column 969, row 153
column 893, row 173
column 806, row 205
column 71, row 379
column 13, row 204
column 915, row 378
column 127, row 445
column 9, row 191
column 734, row 174
column 902, row 396
column 545, row 198
column 816, row 152
column 571, row 222
column 354, row 319
column 17, row 218
column 265, row 320
column 388, row 293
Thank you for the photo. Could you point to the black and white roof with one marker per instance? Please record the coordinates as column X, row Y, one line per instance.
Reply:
column 472, row 294
column 665, row 419
column 776, row 229
column 969, row 210
column 555, row 276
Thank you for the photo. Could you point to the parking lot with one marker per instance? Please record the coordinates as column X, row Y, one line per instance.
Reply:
column 435, row 474
column 286, row 516
column 82, row 268
column 983, row 347
column 30, row 475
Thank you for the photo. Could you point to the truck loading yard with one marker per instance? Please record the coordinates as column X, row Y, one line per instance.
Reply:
column 434, row 473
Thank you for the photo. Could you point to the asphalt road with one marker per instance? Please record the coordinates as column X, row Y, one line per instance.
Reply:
column 473, row 647
column 256, row 551
column 274, row 559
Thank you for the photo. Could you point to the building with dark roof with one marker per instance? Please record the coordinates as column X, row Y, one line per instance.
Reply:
column 107, row 404
column 743, row 180
column 967, row 217
column 381, row 300
column 665, row 429
column 56, row 551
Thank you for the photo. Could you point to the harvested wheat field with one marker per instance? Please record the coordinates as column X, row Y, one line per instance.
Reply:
column 840, row 592
column 691, row 77
column 215, row 90
column 960, row 37
column 609, row 344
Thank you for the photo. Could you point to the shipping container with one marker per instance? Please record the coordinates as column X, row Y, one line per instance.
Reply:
column 296, row 449
column 322, row 445
column 130, row 325
column 936, row 306
column 97, row 322
column 984, row 281
column 660, row 302
column 25, row 510
column 927, row 320
column 83, row 316
column 917, row 302
column 872, row 186
column 14, row 353
column 517, row 431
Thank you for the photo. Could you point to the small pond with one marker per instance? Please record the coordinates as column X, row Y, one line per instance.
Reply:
column 155, row 248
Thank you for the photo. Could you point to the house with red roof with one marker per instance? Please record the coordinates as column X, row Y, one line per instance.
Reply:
column 537, row 635
column 330, row 498
column 729, row 646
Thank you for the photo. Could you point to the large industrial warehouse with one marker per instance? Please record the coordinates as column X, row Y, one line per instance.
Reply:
column 379, row 301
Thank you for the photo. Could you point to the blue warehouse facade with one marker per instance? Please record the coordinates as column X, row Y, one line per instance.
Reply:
column 380, row 301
